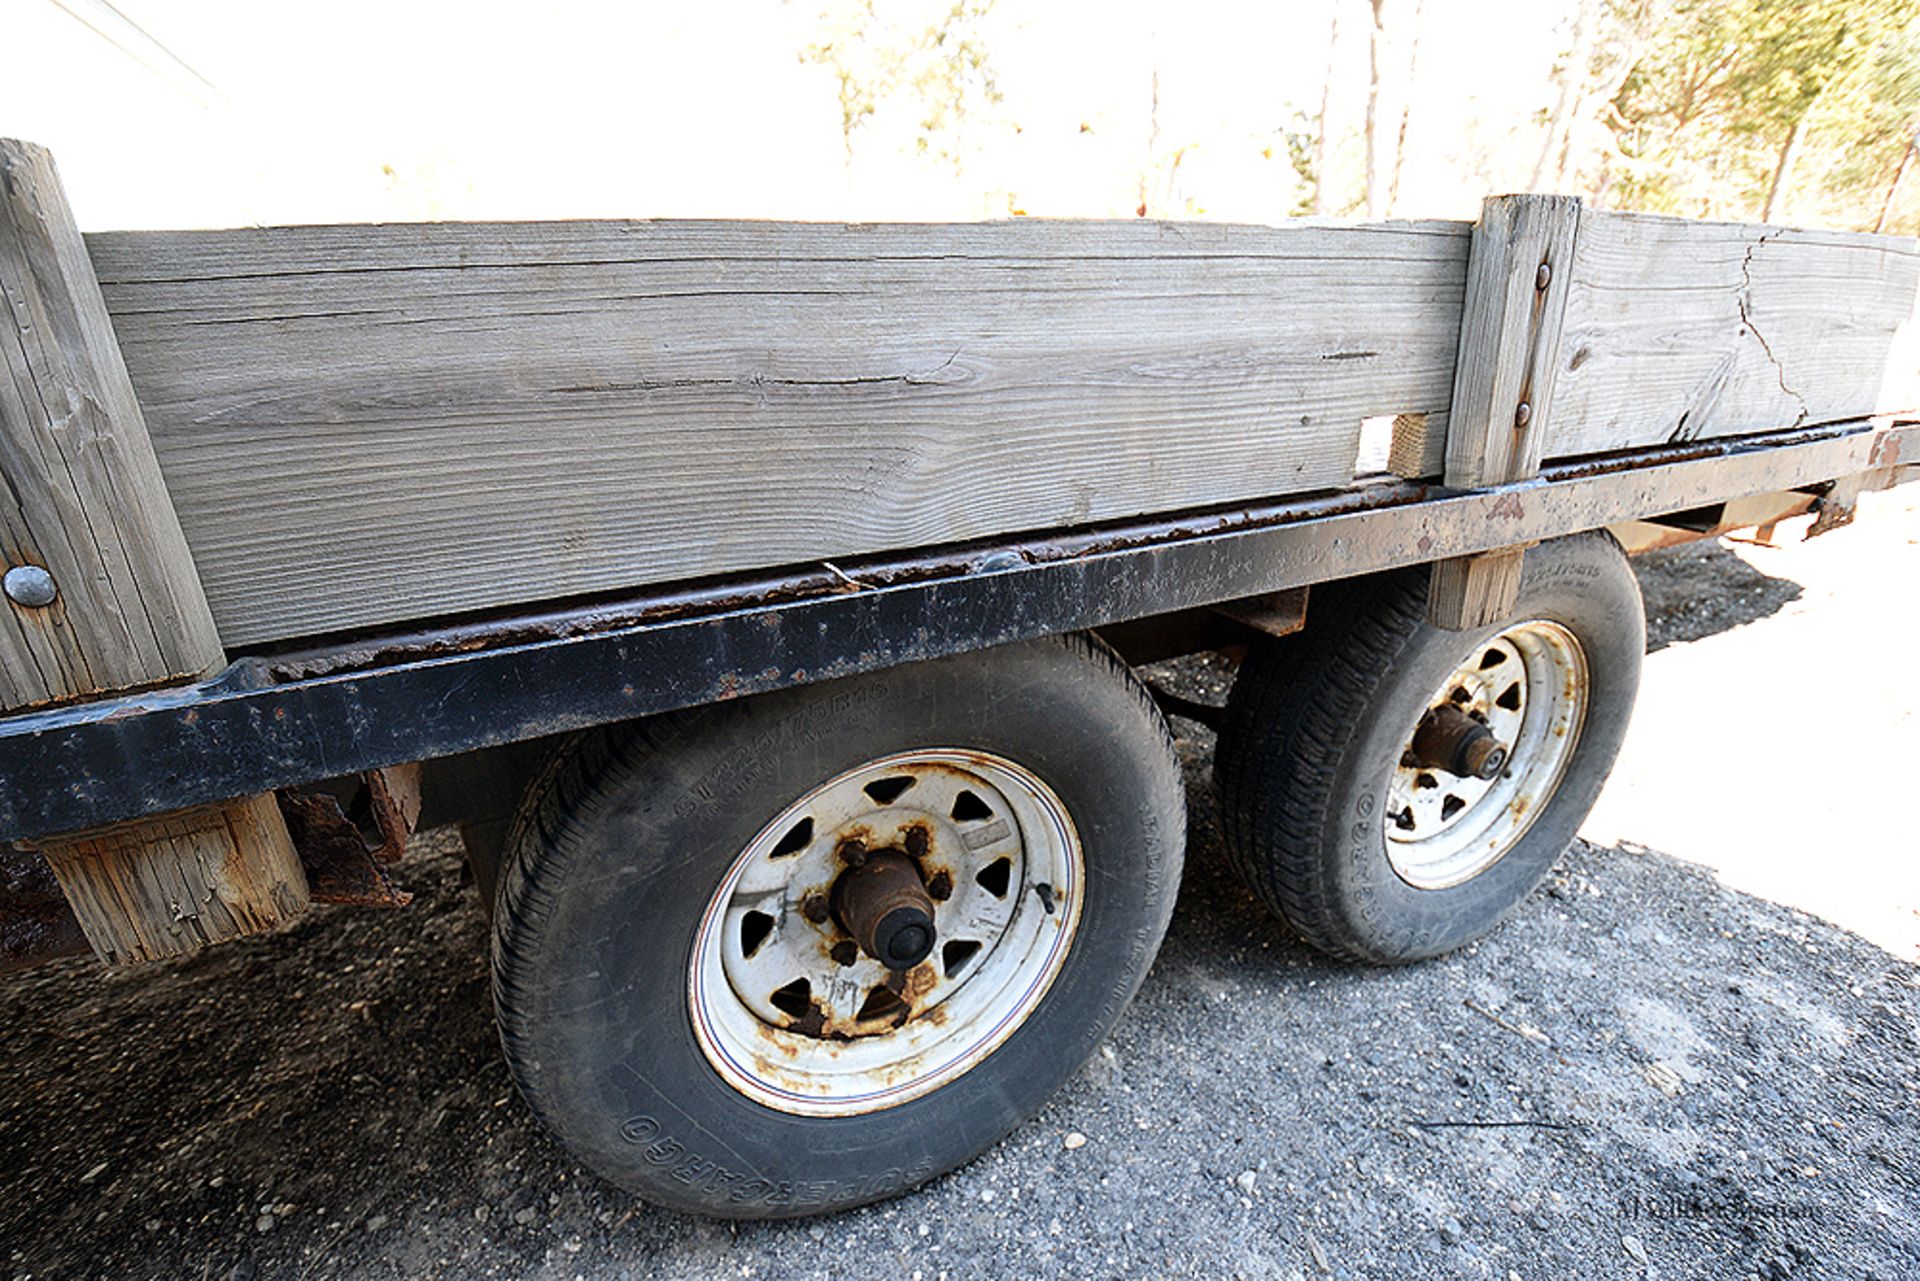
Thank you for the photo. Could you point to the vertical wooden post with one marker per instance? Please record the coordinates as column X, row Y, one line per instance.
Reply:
column 101, row 595
column 1519, row 273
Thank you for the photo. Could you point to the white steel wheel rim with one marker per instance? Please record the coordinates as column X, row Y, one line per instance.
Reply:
column 1529, row 685
column 1016, row 871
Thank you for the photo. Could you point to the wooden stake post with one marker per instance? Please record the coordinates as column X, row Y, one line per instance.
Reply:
column 1519, row 275
column 101, row 593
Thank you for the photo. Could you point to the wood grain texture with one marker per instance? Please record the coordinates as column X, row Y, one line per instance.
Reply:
column 1517, row 287
column 365, row 425
column 84, row 497
column 1418, row 448
column 1473, row 591
column 1518, row 282
column 175, row 884
column 370, row 425
column 1678, row 330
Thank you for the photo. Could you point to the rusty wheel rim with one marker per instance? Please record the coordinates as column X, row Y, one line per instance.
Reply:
column 1528, row 685
column 792, row 1013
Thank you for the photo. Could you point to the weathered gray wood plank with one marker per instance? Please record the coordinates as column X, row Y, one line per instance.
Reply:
column 364, row 425
column 1503, row 382
column 1510, row 338
column 83, row 498
column 1466, row 592
column 369, row 424
column 83, row 501
column 1680, row 330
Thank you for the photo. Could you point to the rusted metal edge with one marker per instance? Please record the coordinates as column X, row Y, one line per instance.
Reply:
column 347, row 846
column 1756, row 512
column 589, row 615
column 477, row 686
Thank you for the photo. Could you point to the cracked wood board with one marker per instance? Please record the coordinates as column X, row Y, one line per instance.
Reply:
column 365, row 425
column 1678, row 330
column 374, row 424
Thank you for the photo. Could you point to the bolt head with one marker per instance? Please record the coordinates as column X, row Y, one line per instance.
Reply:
column 1522, row 414
column 1543, row 277
column 30, row 586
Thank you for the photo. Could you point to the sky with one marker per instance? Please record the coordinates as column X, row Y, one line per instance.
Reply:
column 405, row 110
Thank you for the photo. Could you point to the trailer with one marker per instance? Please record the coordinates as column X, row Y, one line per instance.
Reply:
column 764, row 602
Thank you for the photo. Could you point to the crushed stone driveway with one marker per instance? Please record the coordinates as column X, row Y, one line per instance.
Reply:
column 1644, row 1073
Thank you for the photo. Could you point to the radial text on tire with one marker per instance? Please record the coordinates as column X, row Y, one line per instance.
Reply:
column 798, row 952
column 1392, row 789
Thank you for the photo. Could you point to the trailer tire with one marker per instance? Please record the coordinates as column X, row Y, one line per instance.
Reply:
column 1364, row 848
column 636, row 847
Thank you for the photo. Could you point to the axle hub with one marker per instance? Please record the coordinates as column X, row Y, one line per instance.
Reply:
column 887, row 909
column 1449, row 739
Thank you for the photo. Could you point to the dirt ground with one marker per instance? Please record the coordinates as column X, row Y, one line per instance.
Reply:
column 1692, row 1054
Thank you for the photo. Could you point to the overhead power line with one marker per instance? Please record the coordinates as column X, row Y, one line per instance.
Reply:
column 130, row 38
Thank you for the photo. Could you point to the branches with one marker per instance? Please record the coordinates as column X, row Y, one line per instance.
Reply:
column 929, row 57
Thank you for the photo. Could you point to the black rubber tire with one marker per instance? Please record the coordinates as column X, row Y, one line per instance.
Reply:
column 624, row 839
column 1316, row 721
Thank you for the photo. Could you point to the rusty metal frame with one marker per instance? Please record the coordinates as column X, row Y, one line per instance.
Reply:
column 359, row 704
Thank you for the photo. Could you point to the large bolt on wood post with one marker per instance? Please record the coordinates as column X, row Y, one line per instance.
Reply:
column 101, row 595
column 1518, row 275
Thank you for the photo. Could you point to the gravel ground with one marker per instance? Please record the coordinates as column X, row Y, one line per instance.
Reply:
column 1644, row 1073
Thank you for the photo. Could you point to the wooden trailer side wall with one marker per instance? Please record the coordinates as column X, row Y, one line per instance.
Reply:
column 1679, row 330
column 367, row 425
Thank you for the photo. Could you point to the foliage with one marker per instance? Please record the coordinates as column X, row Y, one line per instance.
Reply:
column 1726, row 93
column 928, row 58
column 1297, row 135
column 1866, row 130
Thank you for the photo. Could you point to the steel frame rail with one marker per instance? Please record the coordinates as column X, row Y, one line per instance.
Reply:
column 360, row 703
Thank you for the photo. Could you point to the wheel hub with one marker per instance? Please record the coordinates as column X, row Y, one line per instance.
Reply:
column 1449, row 739
column 887, row 909
column 1487, row 755
column 886, row 931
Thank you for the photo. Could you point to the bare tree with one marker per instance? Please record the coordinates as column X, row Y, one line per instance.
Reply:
column 1569, row 102
column 1376, row 176
column 1153, row 147
column 1320, row 125
column 1783, row 172
column 1406, row 104
column 1899, row 176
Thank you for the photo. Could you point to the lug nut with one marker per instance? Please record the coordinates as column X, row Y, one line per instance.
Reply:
column 916, row 842
column 940, row 886
column 845, row 952
column 815, row 908
column 852, row 851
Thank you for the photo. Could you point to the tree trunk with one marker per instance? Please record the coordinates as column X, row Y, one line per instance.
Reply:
column 1376, row 175
column 1147, row 171
column 1570, row 98
column 1320, row 128
column 1406, row 105
column 1783, row 172
column 1893, row 190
